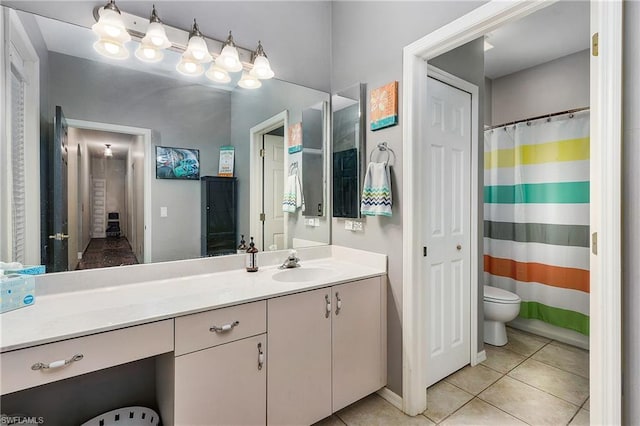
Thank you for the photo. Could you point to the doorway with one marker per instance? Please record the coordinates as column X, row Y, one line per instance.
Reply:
column 605, row 207
column 268, row 158
column 111, row 195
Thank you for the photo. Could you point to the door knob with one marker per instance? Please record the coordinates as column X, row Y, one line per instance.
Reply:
column 58, row 237
column 459, row 247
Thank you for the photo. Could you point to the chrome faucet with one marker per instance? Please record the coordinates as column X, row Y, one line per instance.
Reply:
column 291, row 261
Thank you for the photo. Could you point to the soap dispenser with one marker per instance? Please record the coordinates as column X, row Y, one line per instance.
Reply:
column 242, row 248
column 252, row 257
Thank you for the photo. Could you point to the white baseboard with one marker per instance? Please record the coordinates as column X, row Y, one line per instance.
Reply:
column 480, row 357
column 549, row 331
column 391, row 397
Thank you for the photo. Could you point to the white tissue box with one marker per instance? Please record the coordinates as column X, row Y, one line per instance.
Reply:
column 17, row 291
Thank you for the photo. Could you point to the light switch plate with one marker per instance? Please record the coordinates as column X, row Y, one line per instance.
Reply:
column 163, row 212
column 357, row 226
column 348, row 225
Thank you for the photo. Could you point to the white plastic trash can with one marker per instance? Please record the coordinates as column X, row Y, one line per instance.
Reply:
column 127, row 416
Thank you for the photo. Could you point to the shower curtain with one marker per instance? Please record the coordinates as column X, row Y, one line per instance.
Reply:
column 536, row 217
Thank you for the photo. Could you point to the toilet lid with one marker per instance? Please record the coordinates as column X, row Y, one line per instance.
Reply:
column 495, row 294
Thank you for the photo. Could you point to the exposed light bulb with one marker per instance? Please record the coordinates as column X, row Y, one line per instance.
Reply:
column 157, row 41
column 111, row 47
column 218, row 74
column 248, row 81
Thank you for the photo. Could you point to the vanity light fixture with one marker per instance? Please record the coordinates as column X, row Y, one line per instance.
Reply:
column 229, row 58
column 247, row 81
column 218, row 74
column 261, row 67
column 115, row 28
column 112, row 32
column 107, row 150
column 154, row 41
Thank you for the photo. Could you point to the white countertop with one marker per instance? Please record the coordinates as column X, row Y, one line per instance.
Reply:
column 66, row 315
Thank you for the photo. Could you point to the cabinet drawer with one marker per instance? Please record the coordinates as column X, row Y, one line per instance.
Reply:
column 194, row 332
column 97, row 351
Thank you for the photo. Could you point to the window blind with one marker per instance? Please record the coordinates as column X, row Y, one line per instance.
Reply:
column 18, row 211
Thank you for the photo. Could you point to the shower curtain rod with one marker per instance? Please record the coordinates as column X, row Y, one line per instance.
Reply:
column 569, row 111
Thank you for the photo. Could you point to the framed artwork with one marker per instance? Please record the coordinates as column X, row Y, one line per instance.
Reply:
column 384, row 106
column 295, row 138
column 225, row 167
column 177, row 163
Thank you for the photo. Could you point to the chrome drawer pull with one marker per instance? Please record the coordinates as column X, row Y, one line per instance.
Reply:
column 226, row 327
column 260, row 356
column 56, row 364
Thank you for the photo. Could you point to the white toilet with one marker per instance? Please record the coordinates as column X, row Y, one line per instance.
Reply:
column 500, row 307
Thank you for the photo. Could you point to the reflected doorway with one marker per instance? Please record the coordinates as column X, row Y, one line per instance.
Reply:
column 107, row 192
column 268, row 225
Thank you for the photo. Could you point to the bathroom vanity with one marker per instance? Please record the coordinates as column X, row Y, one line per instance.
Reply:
column 230, row 347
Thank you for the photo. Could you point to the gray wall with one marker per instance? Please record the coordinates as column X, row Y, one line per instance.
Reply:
column 367, row 42
column 295, row 34
column 555, row 86
column 179, row 114
column 630, row 216
column 467, row 63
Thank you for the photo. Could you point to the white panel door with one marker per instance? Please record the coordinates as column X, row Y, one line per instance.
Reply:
column 272, row 192
column 447, row 264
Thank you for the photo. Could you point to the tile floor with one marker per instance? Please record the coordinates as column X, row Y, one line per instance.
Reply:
column 531, row 380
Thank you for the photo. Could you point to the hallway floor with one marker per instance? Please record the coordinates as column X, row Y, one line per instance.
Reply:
column 107, row 252
column 531, row 380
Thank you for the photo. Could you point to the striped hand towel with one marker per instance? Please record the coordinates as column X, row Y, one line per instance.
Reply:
column 376, row 194
column 292, row 195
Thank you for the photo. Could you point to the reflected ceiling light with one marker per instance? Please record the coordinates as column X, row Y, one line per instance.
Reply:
column 229, row 58
column 189, row 67
column 261, row 67
column 107, row 150
column 218, row 74
column 248, row 81
column 154, row 41
column 197, row 49
column 112, row 33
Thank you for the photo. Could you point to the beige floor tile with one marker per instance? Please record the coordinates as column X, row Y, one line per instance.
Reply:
column 478, row 412
column 528, row 403
column 330, row 421
column 524, row 343
column 474, row 379
column 443, row 399
column 560, row 383
column 375, row 411
column 565, row 357
column 586, row 404
column 501, row 359
column 581, row 419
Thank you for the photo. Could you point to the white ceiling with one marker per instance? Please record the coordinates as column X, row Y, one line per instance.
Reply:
column 96, row 141
column 553, row 32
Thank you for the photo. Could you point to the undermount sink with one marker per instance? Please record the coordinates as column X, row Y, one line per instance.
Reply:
column 302, row 274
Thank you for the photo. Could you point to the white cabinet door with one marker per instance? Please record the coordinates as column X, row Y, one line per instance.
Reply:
column 223, row 385
column 359, row 361
column 299, row 334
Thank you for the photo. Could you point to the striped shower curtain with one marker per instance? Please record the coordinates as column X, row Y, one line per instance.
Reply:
column 536, row 217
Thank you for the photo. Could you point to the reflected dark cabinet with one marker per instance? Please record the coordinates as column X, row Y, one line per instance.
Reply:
column 219, row 215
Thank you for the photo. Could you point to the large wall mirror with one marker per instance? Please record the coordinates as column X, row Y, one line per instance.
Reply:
column 348, row 136
column 131, row 108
